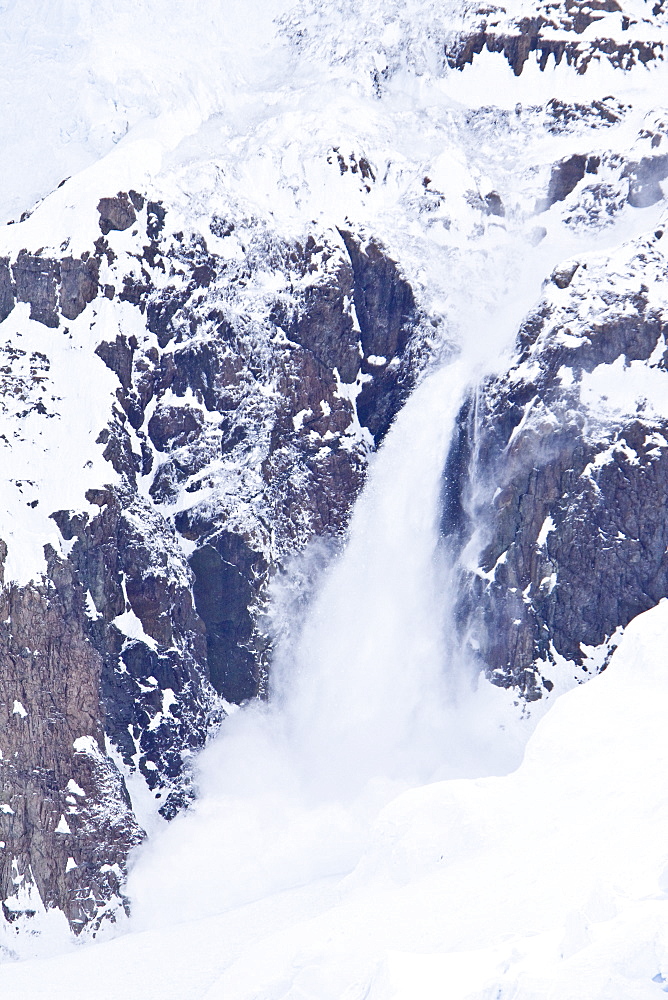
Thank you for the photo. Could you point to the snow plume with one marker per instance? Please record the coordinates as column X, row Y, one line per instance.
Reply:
column 361, row 706
column 365, row 692
column 550, row 881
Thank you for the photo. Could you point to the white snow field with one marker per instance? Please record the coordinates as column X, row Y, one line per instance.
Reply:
column 385, row 828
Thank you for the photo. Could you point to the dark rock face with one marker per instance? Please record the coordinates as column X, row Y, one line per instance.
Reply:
column 231, row 443
column 154, row 687
column 636, row 182
column 36, row 280
column 51, row 287
column 78, row 285
column 116, row 213
column 567, row 174
column 173, row 426
column 386, row 314
column 223, row 593
column 562, row 486
column 518, row 47
column 6, row 289
column 644, row 178
column 320, row 322
column 65, row 817
column 383, row 301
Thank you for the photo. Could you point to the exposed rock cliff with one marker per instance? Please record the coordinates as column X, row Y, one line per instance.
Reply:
column 559, row 476
column 244, row 413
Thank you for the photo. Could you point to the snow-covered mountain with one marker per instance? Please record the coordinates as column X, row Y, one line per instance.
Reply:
column 246, row 247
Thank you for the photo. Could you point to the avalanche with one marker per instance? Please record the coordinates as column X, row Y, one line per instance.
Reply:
column 388, row 825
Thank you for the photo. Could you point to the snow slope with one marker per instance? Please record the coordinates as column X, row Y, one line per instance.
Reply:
column 549, row 882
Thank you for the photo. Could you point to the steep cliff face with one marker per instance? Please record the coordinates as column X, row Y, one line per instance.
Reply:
column 558, row 481
column 232, row 435
column 66, row 822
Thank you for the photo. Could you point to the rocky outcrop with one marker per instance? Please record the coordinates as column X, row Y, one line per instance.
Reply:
column 119, row 213
column 595, row 186
column 567, row 174
column 66, row 825
column 6, row 289
column 51, row 287
column 386, row 313
column 527, row 40
column 555, row 32
column 244, row 415
column 141, row 620
column 36, row 280
column 226, row 576
column 559, row 475
column 78, row 284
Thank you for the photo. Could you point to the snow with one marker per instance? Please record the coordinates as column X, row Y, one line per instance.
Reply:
column 548, row 526
column 91, row 610
column 144, row 803
column 63, row 826
column 299, row 418
column 130, row 625
column 507, row 886
column 490, row 576
column 86, row 744
column 379, row 831
column 619, row 387
column 18, row 709
column 49, row 427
